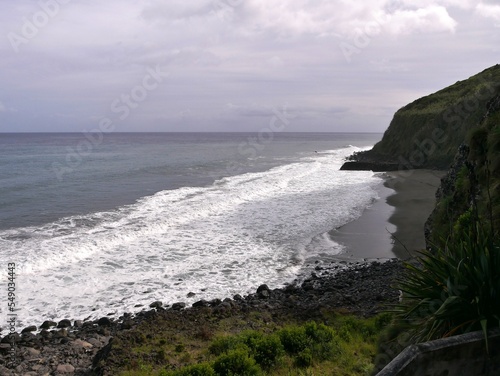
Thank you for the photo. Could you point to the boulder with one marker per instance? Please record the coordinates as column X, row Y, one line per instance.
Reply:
column 29, row 329
column 104, row 321
column 156, row 304
column 178, row 306
column 63, row 324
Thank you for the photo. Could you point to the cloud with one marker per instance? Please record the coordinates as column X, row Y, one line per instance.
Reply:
column 253, row 54
column 428, row 20
column 322, row 18
column 488, row 11
column 460, row 4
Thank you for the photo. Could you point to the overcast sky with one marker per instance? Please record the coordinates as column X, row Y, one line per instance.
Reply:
column 229, row 65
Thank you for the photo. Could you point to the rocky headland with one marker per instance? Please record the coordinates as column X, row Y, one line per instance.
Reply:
column 427, row 133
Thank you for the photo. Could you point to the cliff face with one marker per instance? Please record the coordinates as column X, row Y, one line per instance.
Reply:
column 427, row 132
column 470, row 191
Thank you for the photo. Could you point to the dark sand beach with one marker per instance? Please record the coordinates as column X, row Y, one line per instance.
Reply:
column 413, row 200
column 394, row 225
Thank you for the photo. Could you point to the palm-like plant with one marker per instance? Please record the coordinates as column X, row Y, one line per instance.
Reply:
column 454, row 290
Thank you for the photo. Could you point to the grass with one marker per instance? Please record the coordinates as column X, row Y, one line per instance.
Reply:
column 337, row 344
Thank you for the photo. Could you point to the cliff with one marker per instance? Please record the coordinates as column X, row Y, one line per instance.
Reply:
column 470, row 191
column 428, row 132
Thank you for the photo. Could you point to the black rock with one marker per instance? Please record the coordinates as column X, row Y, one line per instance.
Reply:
column 262, row 288
column 149, row 314
column 156, row 304
column 238, row 298
column 201, row 303
column 65, row 340
column 64, row 324
column 215, row 302
column 48, row 324
column 27, row 337
column 13, row 337
column 104, row 321
column 178, row 306
column 223, row 307
column 191, row 294
column 264, row 294
column 29, row 329
column 45, row 333
column 308, row 285
column 78, row 323
column 60, row 333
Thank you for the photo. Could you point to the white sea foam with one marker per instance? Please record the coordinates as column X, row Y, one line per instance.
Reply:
column 214, row 241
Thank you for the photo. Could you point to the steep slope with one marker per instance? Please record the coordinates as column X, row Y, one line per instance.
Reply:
column 470, row 192
column 427, row 132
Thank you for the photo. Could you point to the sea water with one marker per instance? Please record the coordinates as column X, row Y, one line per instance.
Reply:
column 139, row 217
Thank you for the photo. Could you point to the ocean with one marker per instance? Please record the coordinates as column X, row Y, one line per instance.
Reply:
column 100, row 225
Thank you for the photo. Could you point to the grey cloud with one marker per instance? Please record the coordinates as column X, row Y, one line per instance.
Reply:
column 255, row 54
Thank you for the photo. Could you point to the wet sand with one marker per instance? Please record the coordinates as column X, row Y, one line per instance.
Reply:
column 394, row 225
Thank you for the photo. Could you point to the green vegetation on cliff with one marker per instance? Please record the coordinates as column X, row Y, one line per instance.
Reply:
column 346, row 345
column 427, row 132
column 470, row 193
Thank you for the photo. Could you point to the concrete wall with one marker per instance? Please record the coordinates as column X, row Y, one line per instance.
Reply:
column 463, row 355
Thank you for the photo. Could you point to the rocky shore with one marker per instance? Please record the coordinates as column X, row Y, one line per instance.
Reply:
column 87, row 348
column 368, row 161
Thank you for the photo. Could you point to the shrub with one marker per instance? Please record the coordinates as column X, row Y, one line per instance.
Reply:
column 267, row 351
column 325, row 342
column 456, row 290
column 294, row 339
column 345, row 333
column 222, row 345
column 319, row 333
column 202, row 369
column 250, row 338
column 236, row 362
column 304, row 359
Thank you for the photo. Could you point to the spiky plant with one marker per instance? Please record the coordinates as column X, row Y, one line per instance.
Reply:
column 454, row 290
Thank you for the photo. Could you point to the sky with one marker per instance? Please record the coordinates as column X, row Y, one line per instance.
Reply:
column 233, row 65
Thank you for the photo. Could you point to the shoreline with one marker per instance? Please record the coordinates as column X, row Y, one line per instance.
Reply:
column 85, row 348
column 414, row 200
column 354, row 281
column 393, row 226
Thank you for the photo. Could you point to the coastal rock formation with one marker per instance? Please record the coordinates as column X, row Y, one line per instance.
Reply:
column 447, row 188
column 427, row 132
column 470, row 187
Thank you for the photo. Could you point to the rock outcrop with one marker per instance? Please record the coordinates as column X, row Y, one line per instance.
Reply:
column 427, row 132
